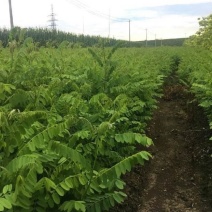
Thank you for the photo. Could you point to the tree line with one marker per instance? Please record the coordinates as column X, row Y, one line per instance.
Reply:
column 48, row 37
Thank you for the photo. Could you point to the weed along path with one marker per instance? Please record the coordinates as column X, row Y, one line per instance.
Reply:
column 174, row 179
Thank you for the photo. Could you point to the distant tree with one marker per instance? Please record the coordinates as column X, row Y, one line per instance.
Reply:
column 203, row 36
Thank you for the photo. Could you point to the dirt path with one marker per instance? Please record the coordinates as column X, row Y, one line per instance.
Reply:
column 177, row 178
column 173, row 181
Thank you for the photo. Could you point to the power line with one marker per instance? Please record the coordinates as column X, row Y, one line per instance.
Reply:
column 111, row 19
column 94, row 12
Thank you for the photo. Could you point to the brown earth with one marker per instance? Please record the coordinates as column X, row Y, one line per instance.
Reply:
column 179, row 177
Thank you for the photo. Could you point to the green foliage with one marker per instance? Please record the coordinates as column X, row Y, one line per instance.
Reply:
column 70, row 123
column 195, row 70
column 17, row 34
column 203, row 35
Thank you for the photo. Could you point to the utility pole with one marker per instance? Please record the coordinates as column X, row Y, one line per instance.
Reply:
column 109, row 25
column 83, row 25
column 11, row 15
column 52, row 20
column 161, row 42
column 129, row 30
column 155, row 41
column 146, row 38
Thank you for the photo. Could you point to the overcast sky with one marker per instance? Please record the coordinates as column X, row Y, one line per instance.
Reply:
column 162, row 18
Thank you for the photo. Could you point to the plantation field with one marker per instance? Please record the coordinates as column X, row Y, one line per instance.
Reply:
column 74, row 121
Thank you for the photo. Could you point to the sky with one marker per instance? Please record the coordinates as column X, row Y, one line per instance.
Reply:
column 151, row 19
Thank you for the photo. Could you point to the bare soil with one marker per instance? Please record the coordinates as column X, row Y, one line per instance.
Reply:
column 179, row 176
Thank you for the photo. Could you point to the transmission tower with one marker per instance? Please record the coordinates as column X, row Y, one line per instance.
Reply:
column 52, row 20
